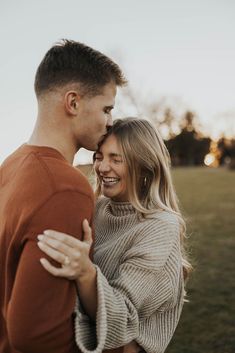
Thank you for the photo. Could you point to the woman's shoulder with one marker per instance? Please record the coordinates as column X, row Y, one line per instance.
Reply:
column 155, row 240
column 159, row 230
column 163, row 218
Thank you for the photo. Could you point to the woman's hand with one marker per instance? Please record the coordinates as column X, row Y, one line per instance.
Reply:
column 71, row 253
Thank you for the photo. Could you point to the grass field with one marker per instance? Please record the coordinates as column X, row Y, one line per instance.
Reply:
column 207, row 197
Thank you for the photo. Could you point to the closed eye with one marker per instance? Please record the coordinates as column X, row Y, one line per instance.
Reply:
column 107, row 110
column 117, row 161
column 97, row 157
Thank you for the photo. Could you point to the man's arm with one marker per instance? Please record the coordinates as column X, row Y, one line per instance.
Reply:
column 40, row 312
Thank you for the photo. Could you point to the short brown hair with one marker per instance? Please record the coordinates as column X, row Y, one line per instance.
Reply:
column 73, row 62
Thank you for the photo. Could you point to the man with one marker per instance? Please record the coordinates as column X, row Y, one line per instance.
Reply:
column 75, row 87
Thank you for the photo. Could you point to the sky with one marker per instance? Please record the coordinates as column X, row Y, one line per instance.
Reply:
column 182, row 49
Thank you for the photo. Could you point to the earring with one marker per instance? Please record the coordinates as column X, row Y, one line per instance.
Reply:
column 145, row 181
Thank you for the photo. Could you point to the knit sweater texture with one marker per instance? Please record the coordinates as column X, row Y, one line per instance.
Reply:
column 139, row 280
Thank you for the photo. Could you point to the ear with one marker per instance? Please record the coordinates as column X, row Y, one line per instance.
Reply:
column 71, row 102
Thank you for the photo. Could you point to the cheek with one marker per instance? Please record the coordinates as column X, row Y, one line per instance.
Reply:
column 93, row 117
column 123, row 172
column 124, row 185
column 101, row 118
column 101, row 123
column 96, row 167
column 124, row 179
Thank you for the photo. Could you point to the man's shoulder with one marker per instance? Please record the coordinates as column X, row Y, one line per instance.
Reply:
column 62, row 175
column 30, row 178
column 50, row 172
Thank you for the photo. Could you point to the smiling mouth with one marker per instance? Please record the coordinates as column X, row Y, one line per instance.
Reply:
column 109, row 181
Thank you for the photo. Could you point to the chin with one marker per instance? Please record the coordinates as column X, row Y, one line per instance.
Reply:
column 108, row 194
column 113, row 197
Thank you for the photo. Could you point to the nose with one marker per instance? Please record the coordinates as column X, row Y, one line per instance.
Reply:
column 104, row 166
column 109, row 122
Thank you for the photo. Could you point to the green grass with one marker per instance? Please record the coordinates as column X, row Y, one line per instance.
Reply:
column 207, row 198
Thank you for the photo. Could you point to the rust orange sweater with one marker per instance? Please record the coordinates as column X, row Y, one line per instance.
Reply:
column 39, row 190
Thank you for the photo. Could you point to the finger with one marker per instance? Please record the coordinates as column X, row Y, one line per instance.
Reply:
column 57, row 244
column 87, row 236
column 54, row 254
column 64, row 238
column 55, row 271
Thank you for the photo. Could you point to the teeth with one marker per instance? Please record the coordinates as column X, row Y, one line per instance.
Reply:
column 110, row 180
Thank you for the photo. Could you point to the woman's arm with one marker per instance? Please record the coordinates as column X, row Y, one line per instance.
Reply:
column 136, row 293
column 73, row 255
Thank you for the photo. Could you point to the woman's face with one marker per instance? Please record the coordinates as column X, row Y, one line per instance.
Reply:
column 112, row 170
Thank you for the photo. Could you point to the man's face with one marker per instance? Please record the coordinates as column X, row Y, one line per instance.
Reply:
column 94, row 117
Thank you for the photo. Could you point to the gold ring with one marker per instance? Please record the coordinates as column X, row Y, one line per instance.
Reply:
column 66, row 260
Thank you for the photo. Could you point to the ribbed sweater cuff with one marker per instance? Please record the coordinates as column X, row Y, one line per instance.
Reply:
column 90, row 337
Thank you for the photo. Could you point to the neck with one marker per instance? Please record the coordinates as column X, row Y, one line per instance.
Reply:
column 57, row 137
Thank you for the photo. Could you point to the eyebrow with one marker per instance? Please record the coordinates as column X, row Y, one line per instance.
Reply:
column 109, row 107
column 115, row 155
column 111, row 154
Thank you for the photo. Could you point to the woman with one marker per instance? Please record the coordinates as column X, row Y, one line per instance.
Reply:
column 135, row 290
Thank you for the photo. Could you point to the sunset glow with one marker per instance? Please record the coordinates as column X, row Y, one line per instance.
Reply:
column 209, row 159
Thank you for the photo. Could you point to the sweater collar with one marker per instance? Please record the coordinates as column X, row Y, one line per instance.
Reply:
column 121, row 208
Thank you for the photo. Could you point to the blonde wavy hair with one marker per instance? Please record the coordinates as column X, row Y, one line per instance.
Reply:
column 149, row 181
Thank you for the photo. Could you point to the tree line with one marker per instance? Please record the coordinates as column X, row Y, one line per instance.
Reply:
column 189, row 147
column 182, row 132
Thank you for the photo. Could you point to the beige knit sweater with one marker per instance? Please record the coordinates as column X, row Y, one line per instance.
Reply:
column 139, row 280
